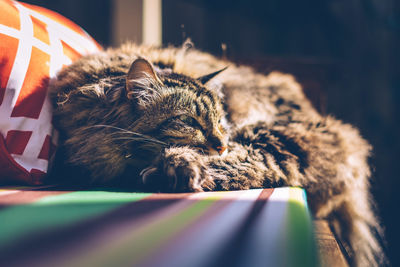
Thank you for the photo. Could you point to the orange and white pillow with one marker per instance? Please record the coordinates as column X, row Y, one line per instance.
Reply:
column 35, row 43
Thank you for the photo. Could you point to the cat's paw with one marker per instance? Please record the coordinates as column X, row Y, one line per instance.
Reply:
column 178, row 169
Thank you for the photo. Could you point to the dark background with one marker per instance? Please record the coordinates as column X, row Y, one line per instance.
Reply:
column 344, row 52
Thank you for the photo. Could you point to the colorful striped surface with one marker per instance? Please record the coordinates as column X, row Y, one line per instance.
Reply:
column 260, row 227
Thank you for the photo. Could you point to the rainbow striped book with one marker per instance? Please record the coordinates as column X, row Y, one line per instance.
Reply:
column 262, row 227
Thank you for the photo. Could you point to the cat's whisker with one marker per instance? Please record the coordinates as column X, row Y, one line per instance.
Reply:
column 155, row 141
column 112, row 127
column 120, row 132
column 137, row 137
column 141, row 137
column 130, row 135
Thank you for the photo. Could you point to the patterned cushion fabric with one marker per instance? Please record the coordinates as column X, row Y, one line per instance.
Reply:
column 35, row 43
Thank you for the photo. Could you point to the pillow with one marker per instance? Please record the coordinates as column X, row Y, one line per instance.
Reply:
column 35, row 43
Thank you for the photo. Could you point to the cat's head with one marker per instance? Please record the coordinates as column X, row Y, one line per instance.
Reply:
column 176, row 109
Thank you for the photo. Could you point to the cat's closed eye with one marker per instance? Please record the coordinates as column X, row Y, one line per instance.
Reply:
column 189, row 121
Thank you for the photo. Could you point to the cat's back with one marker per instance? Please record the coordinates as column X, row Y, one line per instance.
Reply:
column 248, row 96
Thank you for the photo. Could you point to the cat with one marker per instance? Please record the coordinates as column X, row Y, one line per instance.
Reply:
column 181, row 120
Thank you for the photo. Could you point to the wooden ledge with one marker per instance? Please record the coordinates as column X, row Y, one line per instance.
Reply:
column 329, row 250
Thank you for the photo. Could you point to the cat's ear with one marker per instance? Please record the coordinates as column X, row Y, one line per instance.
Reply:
column 205, row 78
column 141, row 75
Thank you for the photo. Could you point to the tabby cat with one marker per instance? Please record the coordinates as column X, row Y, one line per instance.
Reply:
column 156, row 119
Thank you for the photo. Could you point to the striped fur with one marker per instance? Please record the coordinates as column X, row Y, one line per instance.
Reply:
column 110, row 134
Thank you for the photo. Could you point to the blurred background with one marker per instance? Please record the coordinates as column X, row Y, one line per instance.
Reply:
column 345, row 53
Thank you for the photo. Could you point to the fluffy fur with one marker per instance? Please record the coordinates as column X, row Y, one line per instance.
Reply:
column 120, row 129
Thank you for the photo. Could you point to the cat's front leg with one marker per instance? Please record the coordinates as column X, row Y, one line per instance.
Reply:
column 177, row 169
column 184, row 169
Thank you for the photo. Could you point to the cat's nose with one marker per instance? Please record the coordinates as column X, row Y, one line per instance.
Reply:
column 218, row 146
column 221, row 149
